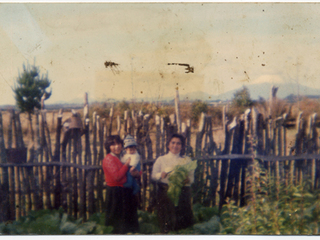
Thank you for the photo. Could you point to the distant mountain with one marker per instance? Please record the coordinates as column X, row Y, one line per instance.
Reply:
column 199, row 95
column 263, row 90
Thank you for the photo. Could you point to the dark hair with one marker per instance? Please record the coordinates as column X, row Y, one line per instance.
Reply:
column 111, row 140
column 183, row 142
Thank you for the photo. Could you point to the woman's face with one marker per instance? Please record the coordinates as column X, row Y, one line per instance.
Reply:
column 175, row 145
column 116, row 148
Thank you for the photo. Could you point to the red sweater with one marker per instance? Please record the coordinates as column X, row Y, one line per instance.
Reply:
column 114, row 171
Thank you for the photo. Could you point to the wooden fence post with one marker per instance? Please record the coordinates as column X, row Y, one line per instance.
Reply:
column 235, row 164
column 19, row 131
column 177, row 110
column 56, row 158
column 163, row 148
column 198, row 175
column 111, row 119
column 245, row 150
column 4, row 197
column 224, row 164
column 9, row 142
column 118, row 125
column 199, row 135
column 125, row 123
column 158, row 135
column 299, row 147
column 94, row 130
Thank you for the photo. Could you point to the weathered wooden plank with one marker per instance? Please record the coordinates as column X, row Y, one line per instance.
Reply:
column 177, row 111
column 18, row 184
column 100, row 128
column 118, row 125
column 88, row 157
column 48, row 184
column 171, row 126
column 19, row 131
column 199, row 135
column 64, row 201
column 75, row 174
column 94, row 140
column 15, row 130
column 74, row 192
column 90, row 189
column 125, row 123
column 83, row 198
column 12, row 191
column 56, row 158
column 235, row 165
column 81, row 194
column 158, row 135
column 48, row 141
column 27, row 172
column 5, row 201
column 36, row 183
column 111, row 119
column 9, row 141
column 100, row 201
column 24, row 191
column 163, row 136
column 225, row 164
column 70, row 187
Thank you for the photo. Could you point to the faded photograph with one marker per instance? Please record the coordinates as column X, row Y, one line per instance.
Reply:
column 159, row 118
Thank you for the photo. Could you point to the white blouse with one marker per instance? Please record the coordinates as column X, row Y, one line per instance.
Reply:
column 166, row 164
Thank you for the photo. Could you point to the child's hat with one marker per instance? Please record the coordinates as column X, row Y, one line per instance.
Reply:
column 129, row 141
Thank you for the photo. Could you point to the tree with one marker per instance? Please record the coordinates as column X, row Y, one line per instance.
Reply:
column 197, row 108
column 29, row 90
column 242, row 98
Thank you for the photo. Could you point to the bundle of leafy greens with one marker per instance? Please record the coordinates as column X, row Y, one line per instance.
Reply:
column 176, row 180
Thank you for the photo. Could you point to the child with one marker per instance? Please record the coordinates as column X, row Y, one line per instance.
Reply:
column 130, row 147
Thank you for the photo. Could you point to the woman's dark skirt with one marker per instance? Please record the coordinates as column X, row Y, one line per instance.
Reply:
column 173, row 218
column 121, row 210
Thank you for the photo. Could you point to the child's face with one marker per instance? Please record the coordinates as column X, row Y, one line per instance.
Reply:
column 131, row 150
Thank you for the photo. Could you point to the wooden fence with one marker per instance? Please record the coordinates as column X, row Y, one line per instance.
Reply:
column 68, row 173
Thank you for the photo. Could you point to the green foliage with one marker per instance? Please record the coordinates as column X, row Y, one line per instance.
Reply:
column 148, row 223
column 53, row 222
column 272, row 208
column 213, row 226
column 242, row 98
column 165, row 110
column 30, row 88
column 177, row 178
column 203, row 214
column 197, row 108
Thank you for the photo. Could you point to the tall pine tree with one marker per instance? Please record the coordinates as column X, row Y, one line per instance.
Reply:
column 29, row 89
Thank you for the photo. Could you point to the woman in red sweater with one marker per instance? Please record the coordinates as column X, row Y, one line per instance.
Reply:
column 121, row 205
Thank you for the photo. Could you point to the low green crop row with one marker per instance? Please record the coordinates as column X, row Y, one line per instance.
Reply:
column 271, row 209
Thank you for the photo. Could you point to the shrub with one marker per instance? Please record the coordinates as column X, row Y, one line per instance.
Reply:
column 197, row 108
column 272, row 208
column 54, row 222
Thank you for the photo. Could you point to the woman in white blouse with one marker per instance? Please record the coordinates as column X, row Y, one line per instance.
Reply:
column 171, row 217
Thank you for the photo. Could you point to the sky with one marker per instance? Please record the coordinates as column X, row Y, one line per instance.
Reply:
column 228, row 44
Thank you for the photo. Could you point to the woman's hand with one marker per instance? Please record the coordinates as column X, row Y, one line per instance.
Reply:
column 134, row 172
column 186, row 181
column 164, row 175
column 128, row 162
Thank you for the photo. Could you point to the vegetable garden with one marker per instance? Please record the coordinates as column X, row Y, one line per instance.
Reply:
column 257, row 183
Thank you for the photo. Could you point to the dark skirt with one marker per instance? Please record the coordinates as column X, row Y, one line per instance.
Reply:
column 121, row 210
column 170, row 217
